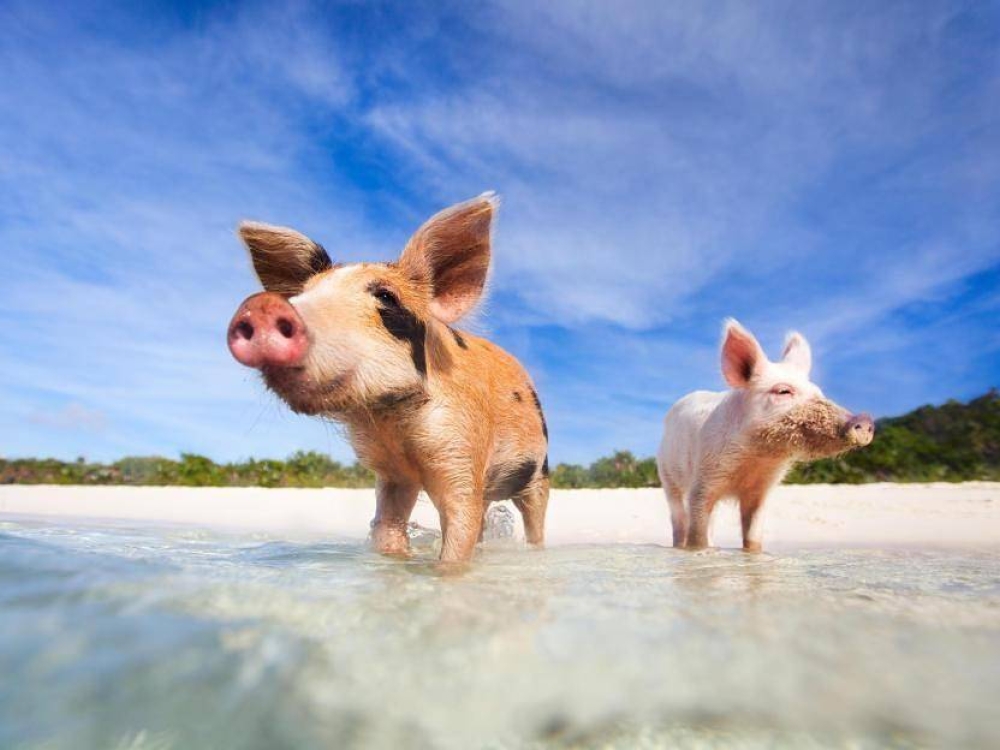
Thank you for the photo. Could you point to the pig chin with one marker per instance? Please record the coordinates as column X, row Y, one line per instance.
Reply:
column 305, row 393
column 812, row 430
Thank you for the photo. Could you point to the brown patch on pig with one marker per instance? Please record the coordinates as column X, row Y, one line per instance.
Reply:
column 812, row 430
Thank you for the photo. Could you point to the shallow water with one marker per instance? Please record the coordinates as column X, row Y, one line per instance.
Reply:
column 126, row 637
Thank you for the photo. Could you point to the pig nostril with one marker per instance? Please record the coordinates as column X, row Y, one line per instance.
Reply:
column 285, row 327
column 244, row 330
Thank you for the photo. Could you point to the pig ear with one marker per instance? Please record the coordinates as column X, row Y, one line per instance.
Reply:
column 798, row 352
column 283, row 258
column 742, row 356
column 451, row 255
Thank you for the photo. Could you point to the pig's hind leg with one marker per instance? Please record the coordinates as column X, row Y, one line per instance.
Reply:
column 532, row 502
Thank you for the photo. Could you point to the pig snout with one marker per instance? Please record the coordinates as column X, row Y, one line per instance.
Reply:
column 860, row 429
column 266, row 331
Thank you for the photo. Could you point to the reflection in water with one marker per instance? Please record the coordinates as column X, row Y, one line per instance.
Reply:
column 123, row 637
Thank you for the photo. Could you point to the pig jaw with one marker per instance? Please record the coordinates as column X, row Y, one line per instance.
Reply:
column 307, row 395
column 346, row 391
column 815, row 429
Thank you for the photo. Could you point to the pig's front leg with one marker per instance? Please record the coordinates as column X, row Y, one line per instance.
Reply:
column 461, row 525
column 750, row 516
column 678, row 515
column 394, row 504
column 701, row 500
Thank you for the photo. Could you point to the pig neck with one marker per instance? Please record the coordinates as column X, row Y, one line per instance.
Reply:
column 384, row 430
column 381, row 434
column 394, row 409
column 749, row 463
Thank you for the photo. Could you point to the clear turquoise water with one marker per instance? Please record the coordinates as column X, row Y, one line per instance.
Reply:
column 125, row 637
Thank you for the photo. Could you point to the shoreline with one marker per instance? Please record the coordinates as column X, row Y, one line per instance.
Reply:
column 936, row 515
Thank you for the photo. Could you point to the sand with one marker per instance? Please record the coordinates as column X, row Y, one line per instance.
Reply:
column 913, row 515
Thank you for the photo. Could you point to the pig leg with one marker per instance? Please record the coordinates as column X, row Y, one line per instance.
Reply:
column 532, row 502
column 461, row 524
column 394, row 504
column 750, row 516
column 701, row 501
column 678, row 516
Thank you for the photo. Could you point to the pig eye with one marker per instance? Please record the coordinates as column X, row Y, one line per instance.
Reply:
column 386, row 297
column 783, row 390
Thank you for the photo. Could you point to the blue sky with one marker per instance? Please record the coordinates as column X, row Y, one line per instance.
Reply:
column 832, row 167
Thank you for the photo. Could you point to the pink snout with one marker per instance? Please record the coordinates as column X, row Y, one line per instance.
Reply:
column 860, row 429
column 266, row 331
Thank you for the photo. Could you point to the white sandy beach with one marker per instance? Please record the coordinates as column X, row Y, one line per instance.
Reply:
column 919, row 515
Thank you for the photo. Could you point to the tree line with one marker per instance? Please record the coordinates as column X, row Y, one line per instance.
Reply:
column 950, row 443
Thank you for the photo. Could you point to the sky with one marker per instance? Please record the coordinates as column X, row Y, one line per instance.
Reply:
column 827, row 167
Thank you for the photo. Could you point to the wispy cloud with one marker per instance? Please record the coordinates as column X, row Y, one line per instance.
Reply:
column 668, row 147
column 72, row 417
column 662, row 166
column 125, row 170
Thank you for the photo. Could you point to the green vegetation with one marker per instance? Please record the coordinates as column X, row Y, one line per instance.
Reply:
column 302, row 469
column 950, row 443
column 620, row 470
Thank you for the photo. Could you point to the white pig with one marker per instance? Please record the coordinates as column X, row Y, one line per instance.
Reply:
column 740, row 443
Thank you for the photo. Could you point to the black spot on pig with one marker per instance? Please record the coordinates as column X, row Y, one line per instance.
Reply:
column 508, row 480
column 517, row 396
column 459, row 339
column 538, row 405
column 405, row 326
column 401, row 399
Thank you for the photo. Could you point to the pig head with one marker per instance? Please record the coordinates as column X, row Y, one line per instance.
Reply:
column 775, row 409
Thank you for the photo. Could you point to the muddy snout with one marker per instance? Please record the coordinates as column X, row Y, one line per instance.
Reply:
column 860, row 429
column 266, row 331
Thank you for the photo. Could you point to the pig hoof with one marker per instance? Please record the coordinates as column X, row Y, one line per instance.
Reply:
column 449, row 568
column 392, row 550
column 395, row 552
column 390, row 542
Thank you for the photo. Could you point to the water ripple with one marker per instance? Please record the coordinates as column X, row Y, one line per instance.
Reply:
column 174, row 638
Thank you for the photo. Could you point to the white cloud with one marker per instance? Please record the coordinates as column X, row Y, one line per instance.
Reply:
column 125, row 170
column 73, row 416
column 661, row 165
column 646, row 151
